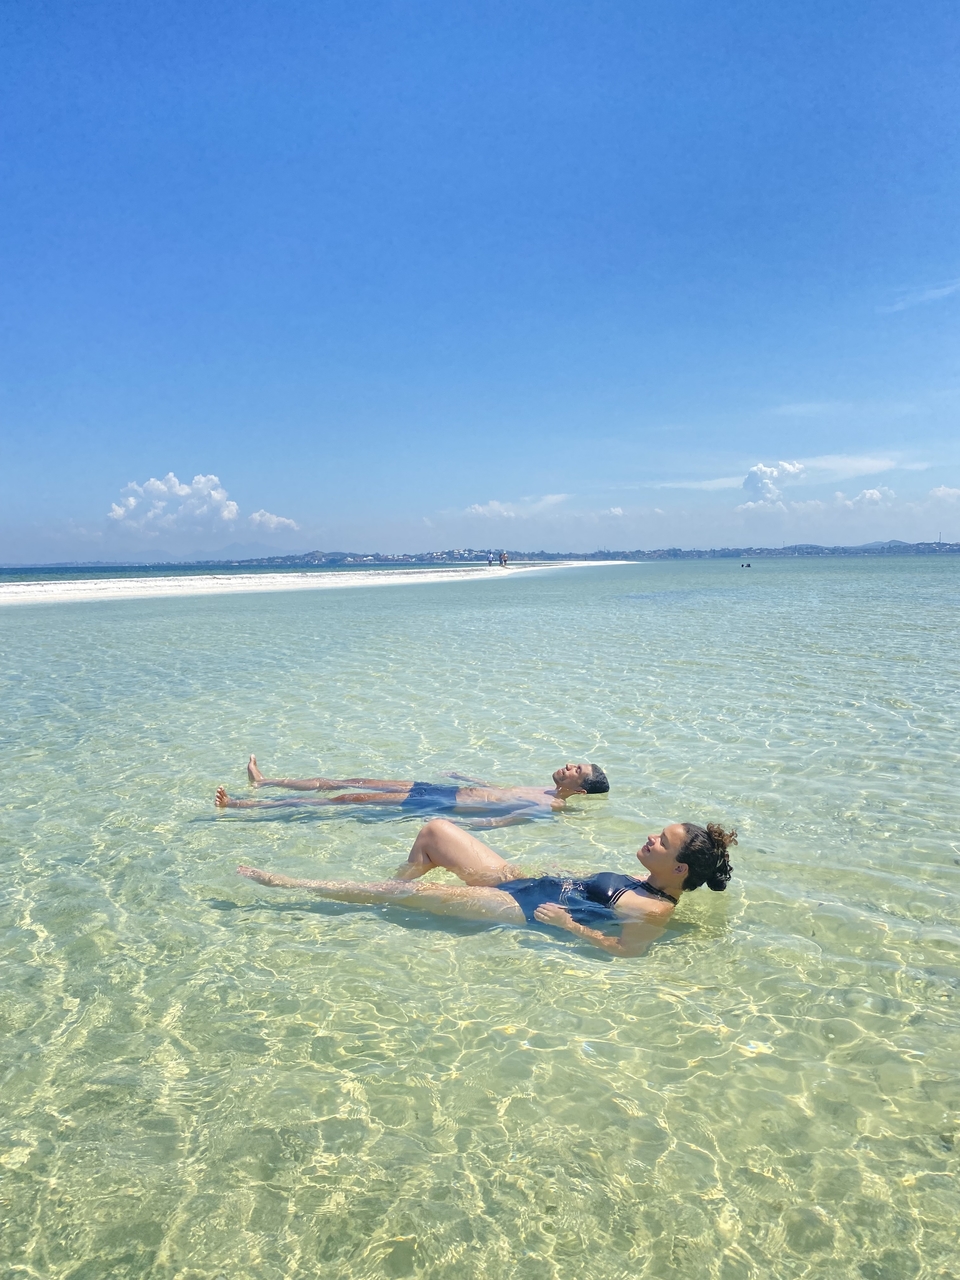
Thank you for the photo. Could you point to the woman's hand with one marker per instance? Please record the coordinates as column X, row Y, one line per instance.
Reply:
column 635, row 936
column 553, row 913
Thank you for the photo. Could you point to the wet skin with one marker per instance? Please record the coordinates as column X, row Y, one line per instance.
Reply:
column 510, row 804
column 442, row 844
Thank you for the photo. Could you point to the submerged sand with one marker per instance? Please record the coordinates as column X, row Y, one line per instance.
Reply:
column 202, row 584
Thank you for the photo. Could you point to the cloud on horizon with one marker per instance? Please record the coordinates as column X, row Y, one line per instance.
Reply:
column 169, row 507
column 825, row 469
column 522, row 510
column 265, row 520
column 762, row 483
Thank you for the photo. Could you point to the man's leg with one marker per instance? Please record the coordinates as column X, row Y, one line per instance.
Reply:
column 322, row 784
column 223, row 801
column 442, row 844
column 442, row 900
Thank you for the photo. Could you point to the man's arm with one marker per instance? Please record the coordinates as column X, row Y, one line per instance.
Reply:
column 465, row 777
column 635, row 936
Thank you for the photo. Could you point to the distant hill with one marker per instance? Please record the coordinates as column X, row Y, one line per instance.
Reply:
column 471, row 555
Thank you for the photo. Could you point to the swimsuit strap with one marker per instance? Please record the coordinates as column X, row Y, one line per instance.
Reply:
column 632, row 885
column 657, row 893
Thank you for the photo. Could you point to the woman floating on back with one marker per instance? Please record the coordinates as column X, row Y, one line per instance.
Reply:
column 681, row 858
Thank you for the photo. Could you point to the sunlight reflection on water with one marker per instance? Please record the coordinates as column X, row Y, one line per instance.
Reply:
column 205, row 1078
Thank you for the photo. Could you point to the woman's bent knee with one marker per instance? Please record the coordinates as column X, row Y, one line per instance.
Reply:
column 434, row 830
column 439, row 824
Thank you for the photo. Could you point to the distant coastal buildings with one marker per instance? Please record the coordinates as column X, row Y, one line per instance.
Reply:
column 466, row 555
column 470, row 555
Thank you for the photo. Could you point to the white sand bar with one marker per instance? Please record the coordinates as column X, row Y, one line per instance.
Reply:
column 210, row 584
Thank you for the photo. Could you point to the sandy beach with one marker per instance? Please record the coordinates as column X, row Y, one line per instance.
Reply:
column 234, row 584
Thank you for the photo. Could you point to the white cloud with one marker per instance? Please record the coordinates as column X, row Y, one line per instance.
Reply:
column 943, row 494
column 843, row 466
column 763, row 483
column 866, row 498
column 522, row 510
column 615, row 511
column 267, row 521
column 759, row 483
column 725, row 482
column 916, row 297
column 825, row 469
column 169, row 507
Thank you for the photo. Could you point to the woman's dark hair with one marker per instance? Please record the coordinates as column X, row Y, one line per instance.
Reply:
column 705, row 853
column 597, row 783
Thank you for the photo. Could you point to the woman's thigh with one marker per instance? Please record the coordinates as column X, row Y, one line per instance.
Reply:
column 467, row 903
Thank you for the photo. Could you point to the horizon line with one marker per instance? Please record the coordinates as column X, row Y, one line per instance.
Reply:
column 466, row 554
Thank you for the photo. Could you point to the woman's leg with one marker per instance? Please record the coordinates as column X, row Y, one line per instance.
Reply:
column 321, row 784
column 440, row 900
column 442, row 844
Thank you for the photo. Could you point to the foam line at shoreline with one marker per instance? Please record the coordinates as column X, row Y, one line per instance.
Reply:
column 240, row 583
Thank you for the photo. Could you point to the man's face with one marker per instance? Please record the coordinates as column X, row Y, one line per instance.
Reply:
column 572, row 776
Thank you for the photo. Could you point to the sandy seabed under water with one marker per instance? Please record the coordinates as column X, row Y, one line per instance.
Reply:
column 202, row 1078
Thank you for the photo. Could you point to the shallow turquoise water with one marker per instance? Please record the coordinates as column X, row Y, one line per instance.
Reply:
column 202, row 1078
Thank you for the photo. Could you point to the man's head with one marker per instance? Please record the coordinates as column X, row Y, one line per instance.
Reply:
column 577, row 779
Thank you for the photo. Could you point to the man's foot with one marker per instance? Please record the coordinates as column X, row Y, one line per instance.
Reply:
column 253, row 772
column 223, row 801
column 261, row 877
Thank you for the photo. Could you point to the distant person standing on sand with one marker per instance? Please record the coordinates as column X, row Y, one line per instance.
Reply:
column 506, row 805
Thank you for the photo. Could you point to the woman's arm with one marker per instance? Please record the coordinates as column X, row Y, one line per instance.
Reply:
column 635, row 936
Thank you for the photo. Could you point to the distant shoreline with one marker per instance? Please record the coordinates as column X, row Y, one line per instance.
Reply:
column 165, row 586
column 347, row 561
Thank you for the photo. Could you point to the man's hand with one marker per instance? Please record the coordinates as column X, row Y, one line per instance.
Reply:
column 553, row 913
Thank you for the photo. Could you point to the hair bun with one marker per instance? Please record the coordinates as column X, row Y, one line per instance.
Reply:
column 705, row 853
column 721, row 840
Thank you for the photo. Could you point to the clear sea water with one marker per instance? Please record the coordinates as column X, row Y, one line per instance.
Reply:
column 202, row 1078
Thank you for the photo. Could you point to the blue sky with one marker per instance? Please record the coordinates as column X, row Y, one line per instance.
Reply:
column 398, row 276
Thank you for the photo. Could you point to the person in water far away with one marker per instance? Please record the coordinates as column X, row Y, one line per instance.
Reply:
column 511, row 804
column 680, row 858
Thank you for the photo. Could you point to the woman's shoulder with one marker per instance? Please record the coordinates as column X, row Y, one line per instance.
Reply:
column 643, row 906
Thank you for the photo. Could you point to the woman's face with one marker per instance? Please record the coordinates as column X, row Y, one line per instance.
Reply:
column 662, row 852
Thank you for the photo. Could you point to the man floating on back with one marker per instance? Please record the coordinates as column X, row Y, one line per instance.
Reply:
column 504, row 805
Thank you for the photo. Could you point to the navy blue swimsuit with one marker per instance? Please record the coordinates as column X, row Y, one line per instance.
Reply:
column 428, row 797
column 588, row 901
